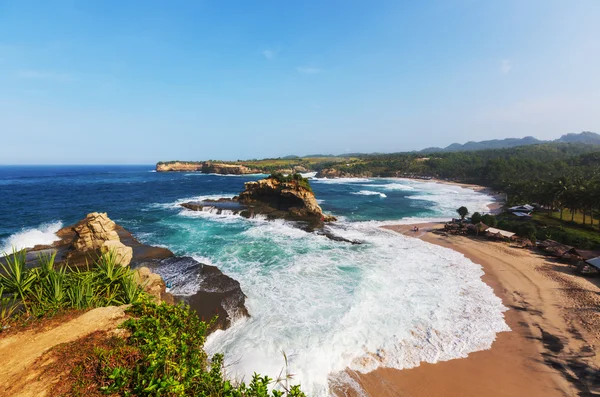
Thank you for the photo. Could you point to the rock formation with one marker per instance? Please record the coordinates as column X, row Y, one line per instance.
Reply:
column 80, row 244
column 212, row 292
column 286, row 199
column 276, row 198
column 98, row 232
column 207, row 167
column 153, row 284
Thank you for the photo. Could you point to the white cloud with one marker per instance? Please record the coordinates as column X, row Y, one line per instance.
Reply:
column 45, row 75
column 269, row 54
column 505, row 66
column 308, row 70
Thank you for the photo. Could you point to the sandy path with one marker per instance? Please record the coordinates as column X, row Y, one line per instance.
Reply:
column 21, row 373
column 554, row 315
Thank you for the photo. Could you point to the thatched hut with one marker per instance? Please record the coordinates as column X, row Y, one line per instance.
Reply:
column 554, row 248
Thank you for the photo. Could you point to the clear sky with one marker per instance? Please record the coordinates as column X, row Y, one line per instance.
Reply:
column 141, row 81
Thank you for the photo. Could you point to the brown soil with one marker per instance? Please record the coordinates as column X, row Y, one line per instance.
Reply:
column 24, row 362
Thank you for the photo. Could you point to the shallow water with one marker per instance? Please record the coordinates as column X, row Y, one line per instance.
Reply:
column 393, row 301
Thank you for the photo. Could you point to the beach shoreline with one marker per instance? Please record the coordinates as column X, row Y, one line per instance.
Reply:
column 494, row 208
column 551, row 350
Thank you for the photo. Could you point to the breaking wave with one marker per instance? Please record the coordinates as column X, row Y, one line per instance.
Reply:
column 44, row 234
column 370, row 193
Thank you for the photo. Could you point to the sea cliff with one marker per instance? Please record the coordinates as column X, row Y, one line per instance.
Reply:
column 207, row 167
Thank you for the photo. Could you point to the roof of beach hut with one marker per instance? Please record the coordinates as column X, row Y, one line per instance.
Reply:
column 555, row 247
column 583, row 254
column 594, row 262
column 503, row 233
column 481, row 226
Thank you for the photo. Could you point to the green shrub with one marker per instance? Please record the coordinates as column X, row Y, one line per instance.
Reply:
column 47, row 289
column 489, row 220
column 170, row 360
column 297, row 178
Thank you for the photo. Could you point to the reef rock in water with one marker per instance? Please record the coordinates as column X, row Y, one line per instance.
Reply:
column 289, row 198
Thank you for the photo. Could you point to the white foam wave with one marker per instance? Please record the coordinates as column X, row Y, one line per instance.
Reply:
column 176, row 204
column 391, row 186
column 340, row 180
column 369, row 193
column 394, row 301
column 44, row 234
column 309, row 175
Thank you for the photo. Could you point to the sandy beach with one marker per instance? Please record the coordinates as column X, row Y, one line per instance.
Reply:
column 554, row 315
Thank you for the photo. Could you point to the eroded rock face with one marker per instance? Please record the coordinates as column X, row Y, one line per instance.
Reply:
column 95, row 229
column 153, row 284
column 97, row 232
column 294, row 200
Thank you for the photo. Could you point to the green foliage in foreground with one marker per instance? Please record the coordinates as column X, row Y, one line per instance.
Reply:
column 48, row 289
column 169, row 359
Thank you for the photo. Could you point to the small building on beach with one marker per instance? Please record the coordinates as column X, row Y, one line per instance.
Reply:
column 492, row 232
column 524, row 209
column 555, row 248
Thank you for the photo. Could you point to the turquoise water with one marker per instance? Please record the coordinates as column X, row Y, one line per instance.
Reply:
column 393, row 301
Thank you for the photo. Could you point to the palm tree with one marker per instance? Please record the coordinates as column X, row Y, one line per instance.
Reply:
column 559, row 192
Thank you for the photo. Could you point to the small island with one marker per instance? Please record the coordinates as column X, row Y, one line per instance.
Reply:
column 279, row 196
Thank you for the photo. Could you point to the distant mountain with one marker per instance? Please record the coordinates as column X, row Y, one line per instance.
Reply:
column 584, row 137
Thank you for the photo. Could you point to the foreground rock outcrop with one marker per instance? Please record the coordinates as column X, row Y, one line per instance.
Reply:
column 81, row 244
column 205, row 288
column 210, row 293
column 207, row 167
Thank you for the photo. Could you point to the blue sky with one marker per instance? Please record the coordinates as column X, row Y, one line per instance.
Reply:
column 141, row 81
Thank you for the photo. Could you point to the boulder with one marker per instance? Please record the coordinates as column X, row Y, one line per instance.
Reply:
column 123, row 253
column 93, row 231
column 153, row 284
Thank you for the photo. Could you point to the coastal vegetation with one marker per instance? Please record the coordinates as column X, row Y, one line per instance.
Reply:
column 163, row 355
column 542, row 227
column 160, row 353
column 49, row 289
column 295, row 178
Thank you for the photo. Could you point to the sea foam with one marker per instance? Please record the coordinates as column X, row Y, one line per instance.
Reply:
column 369, row 193
column 393, row 301
column 44, row 234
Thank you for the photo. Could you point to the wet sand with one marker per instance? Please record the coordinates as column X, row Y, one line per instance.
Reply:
column 554, row 315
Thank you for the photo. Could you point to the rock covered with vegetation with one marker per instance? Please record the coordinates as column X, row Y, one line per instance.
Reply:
column 279, row 196
column 289, row 197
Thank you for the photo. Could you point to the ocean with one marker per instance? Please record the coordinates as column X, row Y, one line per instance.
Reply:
column 392, row 301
